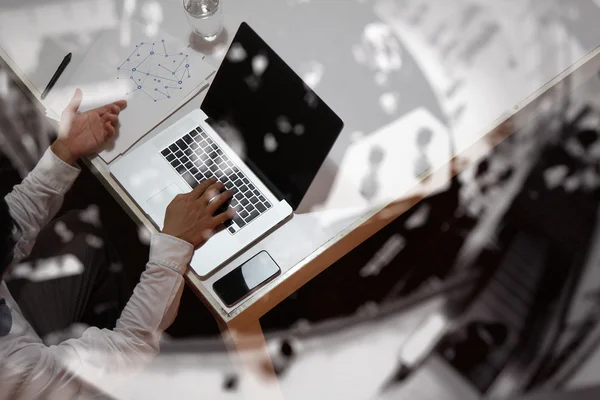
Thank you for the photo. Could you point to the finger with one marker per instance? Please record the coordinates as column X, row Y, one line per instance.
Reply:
column 201, row 188
column 212, row 191
column 109, row 131
column 108, row 108
column 206, row 234
column 225, row 216
column 219, row 201
column 122, row 104
column 75, row 102
column 112, row 118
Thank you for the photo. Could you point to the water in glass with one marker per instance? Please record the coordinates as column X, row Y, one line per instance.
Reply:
column 205, row 17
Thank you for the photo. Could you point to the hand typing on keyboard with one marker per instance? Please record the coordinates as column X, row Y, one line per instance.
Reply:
column 196, row 157
column 194, row 216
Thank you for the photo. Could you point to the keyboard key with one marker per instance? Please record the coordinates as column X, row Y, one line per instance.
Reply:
column 254, row 200
column 228, row 185
column 234, row 202
column 244, row 201
column 179, row 154
column 223, row 208
column 243, row 188
column 181, row 144
column 165, row 152
column 188, row 152
column 193, row 157
column 238, row 196
column 261, row 198
column 237, row 171
column 220, row 152
column 252, row 215
column 170, row 157
column 194, row 133
column 246, row 181
column 189, row 165
column 228, row 171
column 267, row 204
column 203, row 144
column 203, row 169
column 244, row 214
column 199, row 177
column 238, row 208
column 256, row 193
column 237, row 182
column 228, row 223
column 181, row 170
column 209, row 174
column 251, row 186
column 204, row 157
column 184, row 160
column 214, row 168
column 173, row 148
column 213, row 155
column 190, row 180
column 195, row 146
column 232, row 230
column 261, row 208
column 239, row 221
column 175, row 163
column 209, row 162
column 202, row 133
column 218, row 159
column 219, row 174
column 194, row 170
column 188, row 139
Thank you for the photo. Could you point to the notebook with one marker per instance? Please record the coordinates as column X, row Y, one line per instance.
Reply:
column 156, row 75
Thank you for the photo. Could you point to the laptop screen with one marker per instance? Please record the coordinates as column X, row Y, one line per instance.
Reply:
column 269, row 117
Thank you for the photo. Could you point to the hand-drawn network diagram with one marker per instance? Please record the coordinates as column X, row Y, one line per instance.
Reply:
column 154, row 71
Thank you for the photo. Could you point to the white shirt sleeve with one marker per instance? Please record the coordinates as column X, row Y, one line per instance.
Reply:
column 35, row 201
column 100, row 358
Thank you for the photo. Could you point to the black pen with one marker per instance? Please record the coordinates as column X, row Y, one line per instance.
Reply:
column 61, row 68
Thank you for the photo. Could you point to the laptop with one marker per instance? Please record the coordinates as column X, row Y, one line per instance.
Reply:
column 261, row 131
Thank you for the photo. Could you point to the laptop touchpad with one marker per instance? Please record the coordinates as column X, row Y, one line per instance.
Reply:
column 159, row 202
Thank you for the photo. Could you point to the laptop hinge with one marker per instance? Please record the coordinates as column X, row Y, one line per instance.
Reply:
column 213, row 124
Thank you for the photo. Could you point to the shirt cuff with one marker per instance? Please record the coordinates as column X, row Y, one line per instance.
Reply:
column 171, row 252
column 55, row 172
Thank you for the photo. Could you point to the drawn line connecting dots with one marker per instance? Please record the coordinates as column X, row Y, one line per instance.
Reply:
column 154, row 71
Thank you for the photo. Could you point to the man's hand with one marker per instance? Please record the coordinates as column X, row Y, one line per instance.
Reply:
column 83, row 134
column 190, row 216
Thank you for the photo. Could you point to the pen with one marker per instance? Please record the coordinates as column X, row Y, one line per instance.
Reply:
column 61, row 68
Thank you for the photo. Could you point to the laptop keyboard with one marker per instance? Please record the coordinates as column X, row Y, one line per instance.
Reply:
column 196, row 157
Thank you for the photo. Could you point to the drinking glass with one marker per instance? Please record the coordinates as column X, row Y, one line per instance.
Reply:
column 205, row 17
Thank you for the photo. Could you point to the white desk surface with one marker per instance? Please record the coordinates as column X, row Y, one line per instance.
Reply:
column 375, row 63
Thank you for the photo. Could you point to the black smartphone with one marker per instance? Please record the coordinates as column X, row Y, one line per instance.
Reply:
column 246, row 278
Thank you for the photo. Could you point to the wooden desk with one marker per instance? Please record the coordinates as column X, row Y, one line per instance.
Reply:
column 374, row 67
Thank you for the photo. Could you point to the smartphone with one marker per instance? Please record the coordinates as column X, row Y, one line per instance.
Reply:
column 246, row 278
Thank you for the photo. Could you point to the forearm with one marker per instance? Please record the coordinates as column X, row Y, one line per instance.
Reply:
column 35, row 201
column 101, row 357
